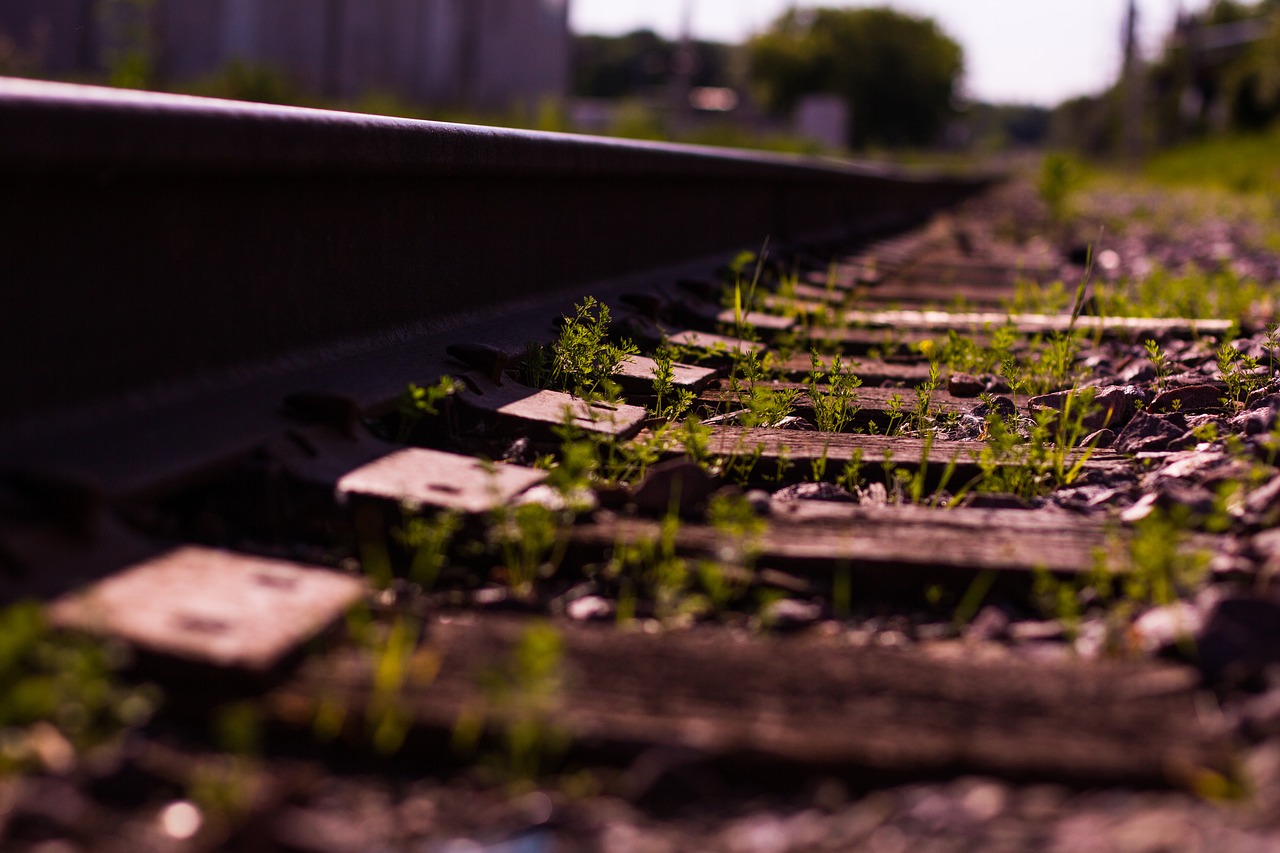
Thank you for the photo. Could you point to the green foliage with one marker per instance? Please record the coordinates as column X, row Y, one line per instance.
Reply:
column 583, row 359
column 530, row 541
column 669, row 403
column 1193, row 293
column 739, row 528
column 851, row 475
column 898, row 73
column 263, row 84
column 1160, row 361
column 924, row 397
column 417, row 403
column 1241, row 373
column 523, row 696
column 963, row 354
column 1159, row 566
column 833, row 394
column 636, row 63
column 1033, row 465
column 1059, row 177
column 1032, row 297
column 765, row 405
column 398, row 662
column 652, row 564
column 1240, row 163
column 741, row 305
column 1163, row 566
column 589, row 459
column 428, row 538
column 131, row 50
column 59, row 693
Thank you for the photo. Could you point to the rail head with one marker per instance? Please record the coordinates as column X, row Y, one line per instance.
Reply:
column 61, row 126
column 158, row 243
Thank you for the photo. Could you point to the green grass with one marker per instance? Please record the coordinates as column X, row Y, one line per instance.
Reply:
column 1242, row 164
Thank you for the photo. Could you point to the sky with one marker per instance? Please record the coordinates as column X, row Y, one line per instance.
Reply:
column 1016, row 51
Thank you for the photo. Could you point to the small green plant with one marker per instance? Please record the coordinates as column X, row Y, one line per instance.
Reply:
column 738, row 529
column 1031, row 297
column 398, row 662
column 834, row 406
column 742, row 307
column 1240, row 372
column 1059, row 599
column 530, row 543
column 924, row 398
column 765, row 405
column 523, row 696
column 417, row 403
column 695, row 437
column 1160, row 361
column 428, row 539
column 1159, row 568
column 961, row 354
column 652, row 564
column 895, row 411
column 1045, row 458
column 1189, row 293
column 583, row 358
column 589, row 459
column 818, row 465
column 851, row 475
column 1273, row 343
column 60, row 693
column 670, row 403
column 972, row 599
column 1163, row 567
column 1059, row 177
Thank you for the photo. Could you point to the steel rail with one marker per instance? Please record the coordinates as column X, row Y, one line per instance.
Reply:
column 156, row 241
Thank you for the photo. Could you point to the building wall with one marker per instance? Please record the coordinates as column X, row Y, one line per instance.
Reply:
column 482, row 54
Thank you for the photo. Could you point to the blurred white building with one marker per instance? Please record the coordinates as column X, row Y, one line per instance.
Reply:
column 480, row 54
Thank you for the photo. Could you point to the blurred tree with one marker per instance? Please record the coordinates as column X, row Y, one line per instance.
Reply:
column 1220, row 70
column 898, row 73
column 999, row 127
column 642, row 62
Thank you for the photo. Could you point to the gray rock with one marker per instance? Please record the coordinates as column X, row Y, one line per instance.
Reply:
column 589, row 608
column 814, row 492
column 792, row 613
column 991, row 623
column 1189, row 398
column 965, row 385
column 1002, row 406
column 1113, row 405
column 1099, row 438
column 678, row 484
column 1170, row 627
column 1147, row 433
column 1239, row 640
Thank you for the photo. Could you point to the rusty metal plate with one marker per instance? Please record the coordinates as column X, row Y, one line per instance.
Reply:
column 759, row 320
column 215, row 607
column 635, row 375
column 434, row 478
column 517, row 402
column 710, row 342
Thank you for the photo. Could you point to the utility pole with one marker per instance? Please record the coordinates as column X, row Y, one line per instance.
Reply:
column 684, row 62
column 1131, row 84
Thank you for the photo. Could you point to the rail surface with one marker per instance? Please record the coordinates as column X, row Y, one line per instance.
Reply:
column 176, row 243
column 152, row 237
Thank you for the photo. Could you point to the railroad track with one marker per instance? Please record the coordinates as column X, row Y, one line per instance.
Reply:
column 396, row 451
